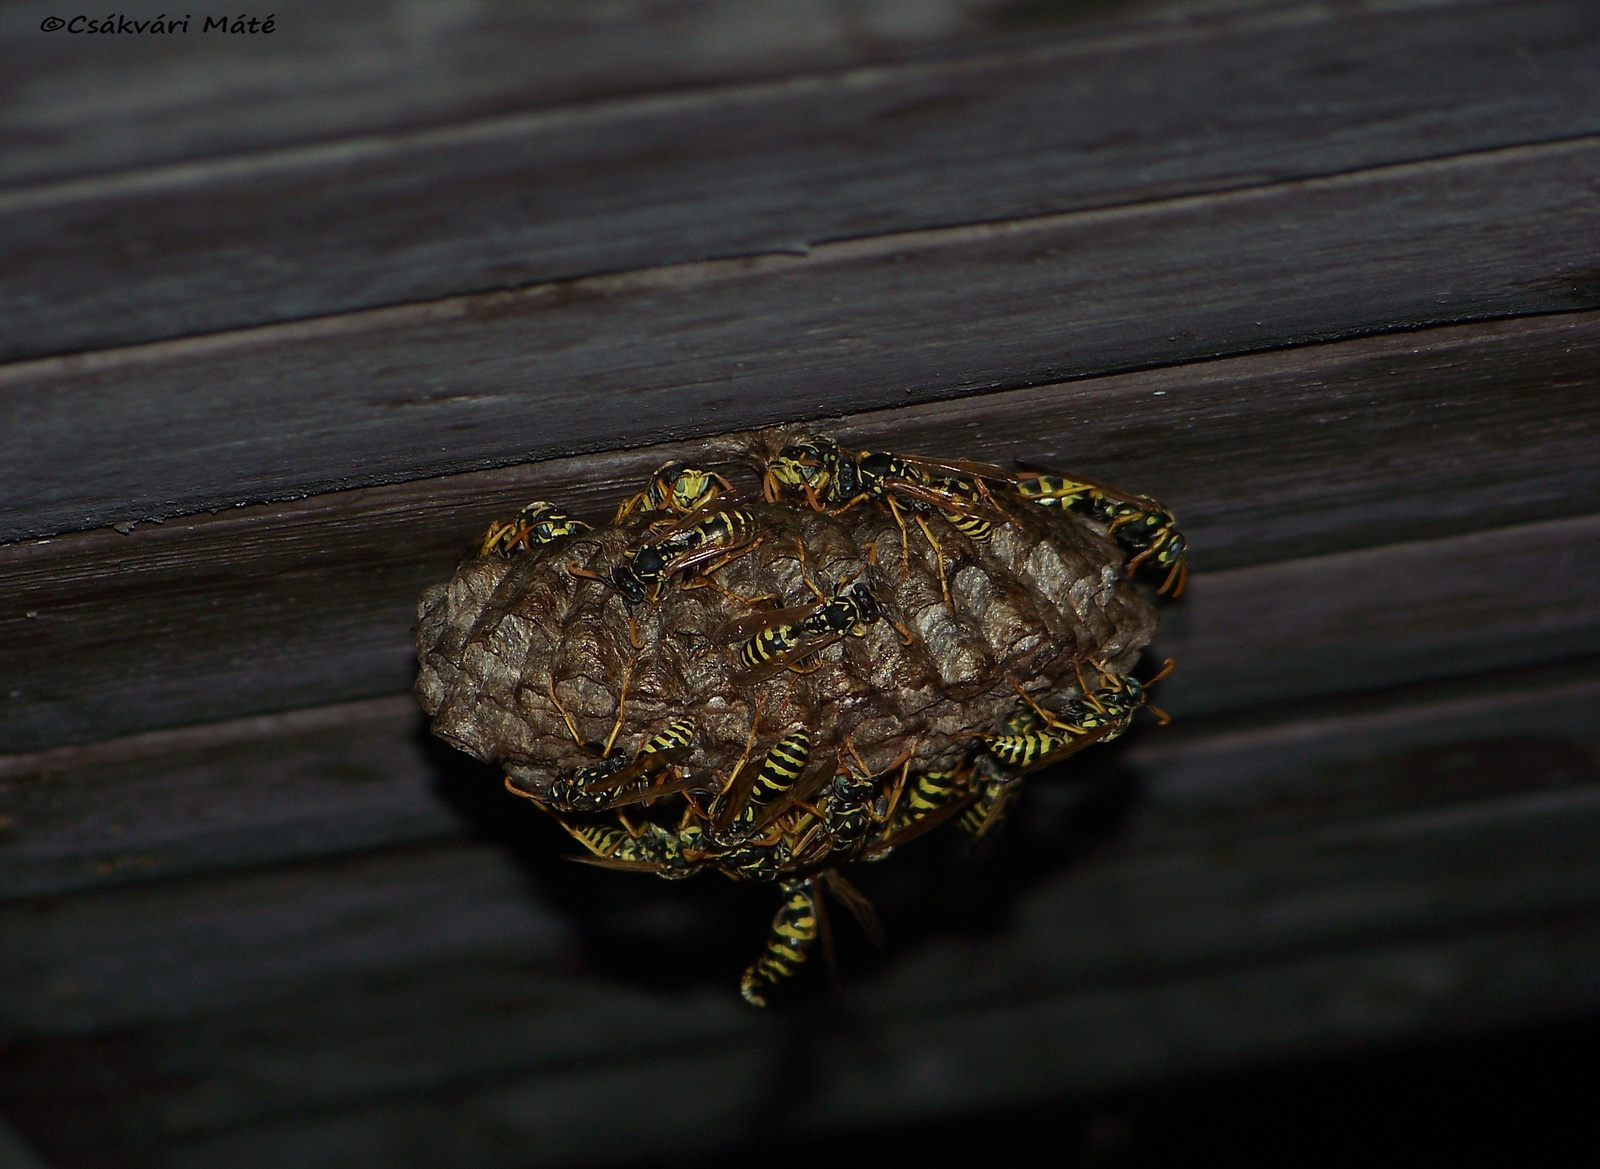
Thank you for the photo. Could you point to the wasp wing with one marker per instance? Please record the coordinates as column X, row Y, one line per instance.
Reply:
column 779, row 662
column 753, row 623
column 917, row 827
column 644, row 764
column 855, row 901
column 602, row 862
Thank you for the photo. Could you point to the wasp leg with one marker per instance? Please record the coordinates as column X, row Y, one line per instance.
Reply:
column 1044, row 714
column 899, row 787
column 800, row 551
column 1180, row 573
column 938, row 552
column 622, row 703
column 1083, row 687
column 794, row 929
column 565, row 717
column 905, row 539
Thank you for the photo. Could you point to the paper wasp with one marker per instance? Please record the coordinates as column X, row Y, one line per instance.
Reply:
column 537, row 524
column 640, row 577
column 678, row 488
column 930, row 792
column 1037, row 736
column 994, row 788
column 834, row 480
column 800, row 920
column 650, row 848
column 1142, row 526
column 737, row 811
column 780, row 638
column 614, row 782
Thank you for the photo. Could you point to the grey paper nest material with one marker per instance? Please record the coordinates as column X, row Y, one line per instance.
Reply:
column 502, row 635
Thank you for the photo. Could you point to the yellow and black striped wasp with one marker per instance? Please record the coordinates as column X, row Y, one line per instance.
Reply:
column 780, row 639
column 738, row 812
column 834, row 480
column 714, row 535
column 646, row 847
column 1036, row 736
column 1145, row 529
column 615, row 782
column 536, row 525
column 799, row 922
column 677, row 488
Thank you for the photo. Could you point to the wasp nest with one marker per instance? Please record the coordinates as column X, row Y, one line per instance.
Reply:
column 773, row 683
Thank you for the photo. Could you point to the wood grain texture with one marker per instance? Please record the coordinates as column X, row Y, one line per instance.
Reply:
column 1041, row 128
column 1386, row 874
column 1386, row 616
column 75, row 104
column 614, row 361
column 1094, row 1039
column 1140, row 1030
column 172, row 950
column 259, row 609
column 255, row 791
column 333, row 780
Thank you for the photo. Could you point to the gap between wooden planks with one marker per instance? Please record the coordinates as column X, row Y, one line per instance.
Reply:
column 1328, row 449
column 614, row 361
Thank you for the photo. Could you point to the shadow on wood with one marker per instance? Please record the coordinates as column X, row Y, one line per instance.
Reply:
column 702, row 932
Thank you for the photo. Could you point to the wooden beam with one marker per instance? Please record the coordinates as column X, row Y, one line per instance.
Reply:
column 256, row 791
column 373, row 66
column 332, row 780
column 1437, row 433
column 1386, row 874
column 213, row 1105
column 405, row 393
column 1044, row 126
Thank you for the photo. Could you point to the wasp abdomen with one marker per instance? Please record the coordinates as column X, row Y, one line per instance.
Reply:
column 794, row 929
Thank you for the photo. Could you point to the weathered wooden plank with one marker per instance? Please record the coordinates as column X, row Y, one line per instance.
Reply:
column 335, row 780
column 349, row 1072
column 1186, row 884
column 1351, row 621
column 779, row 167
column 1086, row 1041
column 259, row 609
column 76, row 104
column 175, row 949
column 1385, row 617
column 260, row 790
column 1099, row 1037
column 621, row 360
column 1206, row 934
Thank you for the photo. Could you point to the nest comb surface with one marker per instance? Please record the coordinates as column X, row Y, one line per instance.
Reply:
column 502, row 636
